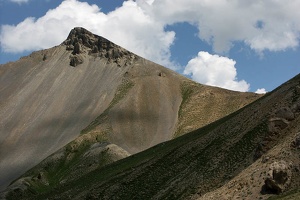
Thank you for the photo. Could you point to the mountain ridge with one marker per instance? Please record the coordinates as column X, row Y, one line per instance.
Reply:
column 90, row 85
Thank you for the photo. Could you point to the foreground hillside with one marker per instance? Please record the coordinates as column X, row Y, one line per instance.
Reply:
column 89, row 102
column 250, row 154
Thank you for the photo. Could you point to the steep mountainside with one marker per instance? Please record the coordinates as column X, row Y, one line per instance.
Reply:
column 250, row 154
column 101, row 97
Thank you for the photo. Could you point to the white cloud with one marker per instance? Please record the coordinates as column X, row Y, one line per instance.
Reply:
column 263, row 25
column 128, row 26
column 19, row 1
column 261, row 91
column 139, row 26
column 216, row 71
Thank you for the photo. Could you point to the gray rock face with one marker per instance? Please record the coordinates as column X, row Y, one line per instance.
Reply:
column 82, row 41
column 76, row 60
column 279, row 177
column 77, row 48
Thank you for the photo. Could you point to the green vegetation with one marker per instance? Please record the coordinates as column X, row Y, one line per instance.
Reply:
column 291, row 195
column 120, row 94
column 186, row 92
column 50, row 174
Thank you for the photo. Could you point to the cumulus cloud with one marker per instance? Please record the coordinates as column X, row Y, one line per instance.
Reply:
column 261, row 91
column 139, row 27
column 128, row 26
column 263, row 25
column 216, row 71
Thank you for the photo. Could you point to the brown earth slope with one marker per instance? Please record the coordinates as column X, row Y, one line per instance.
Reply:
column 91, row 86
column 250, row 154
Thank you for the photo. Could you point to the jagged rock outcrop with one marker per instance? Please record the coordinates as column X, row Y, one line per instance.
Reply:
column 81, row 41
column 278, row 177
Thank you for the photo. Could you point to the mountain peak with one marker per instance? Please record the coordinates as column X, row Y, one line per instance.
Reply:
column 81, row 41
column 82, row 36
column 78, row 31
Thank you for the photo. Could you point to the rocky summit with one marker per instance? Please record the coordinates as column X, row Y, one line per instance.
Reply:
column 82, row 41
column 89, row 119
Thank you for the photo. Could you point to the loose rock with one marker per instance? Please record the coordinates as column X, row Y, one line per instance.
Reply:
column 296, row 142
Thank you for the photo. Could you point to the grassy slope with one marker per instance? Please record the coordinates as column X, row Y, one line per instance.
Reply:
column 292, row 195
column 202, row 105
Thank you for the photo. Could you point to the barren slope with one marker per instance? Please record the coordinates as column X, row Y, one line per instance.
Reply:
column 263, row 135
column 45, row 104
column 92, row 86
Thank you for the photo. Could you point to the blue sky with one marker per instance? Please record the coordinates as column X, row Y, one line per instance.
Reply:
column 238, row 45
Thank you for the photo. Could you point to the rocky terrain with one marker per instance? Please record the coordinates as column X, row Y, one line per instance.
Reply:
column 252, row 153
column 88, row 102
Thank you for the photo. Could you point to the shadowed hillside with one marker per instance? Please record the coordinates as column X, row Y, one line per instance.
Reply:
column 93, row 102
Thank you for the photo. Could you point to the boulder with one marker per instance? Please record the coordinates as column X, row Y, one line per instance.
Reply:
column 285, row 113
column 76, row 60
column 278, row 177
column 277, row 124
